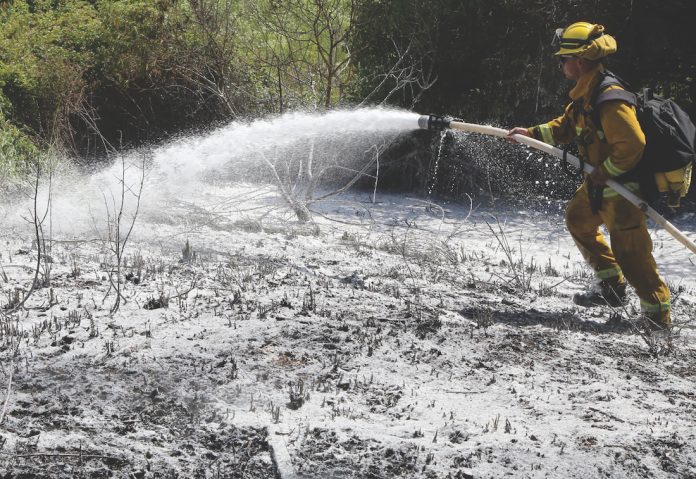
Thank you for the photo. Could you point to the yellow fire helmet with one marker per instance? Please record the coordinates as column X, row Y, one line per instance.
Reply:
column 586, row 40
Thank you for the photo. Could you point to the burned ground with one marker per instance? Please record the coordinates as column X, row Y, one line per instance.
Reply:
column 380, row 349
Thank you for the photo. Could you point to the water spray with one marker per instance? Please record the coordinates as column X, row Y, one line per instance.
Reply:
column 438, row 123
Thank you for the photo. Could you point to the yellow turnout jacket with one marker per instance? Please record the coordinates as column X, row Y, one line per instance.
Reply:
column 617, row 144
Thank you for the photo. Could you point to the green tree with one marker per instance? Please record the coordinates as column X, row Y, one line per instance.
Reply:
column 302, row 49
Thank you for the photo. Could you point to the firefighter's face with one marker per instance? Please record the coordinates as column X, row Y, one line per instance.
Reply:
column 571, row 66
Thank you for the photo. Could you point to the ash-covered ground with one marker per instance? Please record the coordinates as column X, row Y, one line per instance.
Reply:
column 396, row 339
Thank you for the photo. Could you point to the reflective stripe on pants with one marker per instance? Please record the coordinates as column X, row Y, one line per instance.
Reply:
column 630, row 252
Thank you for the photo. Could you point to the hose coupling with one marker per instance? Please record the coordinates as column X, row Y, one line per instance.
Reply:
column 434, row 122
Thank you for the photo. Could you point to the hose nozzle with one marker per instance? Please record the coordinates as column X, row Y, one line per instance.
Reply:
column 434, row 122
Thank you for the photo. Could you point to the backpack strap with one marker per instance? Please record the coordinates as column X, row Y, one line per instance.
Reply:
column 601, row 95
column 616, row 94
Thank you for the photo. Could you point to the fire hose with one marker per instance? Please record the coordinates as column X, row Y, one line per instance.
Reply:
column 433, row 122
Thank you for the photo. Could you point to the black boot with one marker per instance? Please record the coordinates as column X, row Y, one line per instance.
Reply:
column 604, row 293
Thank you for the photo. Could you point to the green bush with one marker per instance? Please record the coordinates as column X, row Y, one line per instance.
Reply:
column 16, row 151
column 80, row 73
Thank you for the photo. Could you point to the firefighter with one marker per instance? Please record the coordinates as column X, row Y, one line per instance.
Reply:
column 614, row 148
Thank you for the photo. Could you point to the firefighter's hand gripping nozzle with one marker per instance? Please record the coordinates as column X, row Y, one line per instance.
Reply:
column 434, row 122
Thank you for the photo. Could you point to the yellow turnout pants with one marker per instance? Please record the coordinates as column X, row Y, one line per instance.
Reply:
column 630, row 255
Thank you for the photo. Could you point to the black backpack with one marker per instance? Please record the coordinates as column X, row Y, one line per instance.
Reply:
column 670, row 135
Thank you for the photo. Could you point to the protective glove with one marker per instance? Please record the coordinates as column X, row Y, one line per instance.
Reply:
column 517, row 131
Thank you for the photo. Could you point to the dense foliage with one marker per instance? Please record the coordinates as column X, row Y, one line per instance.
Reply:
column 90, row 75
column 494, row 59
